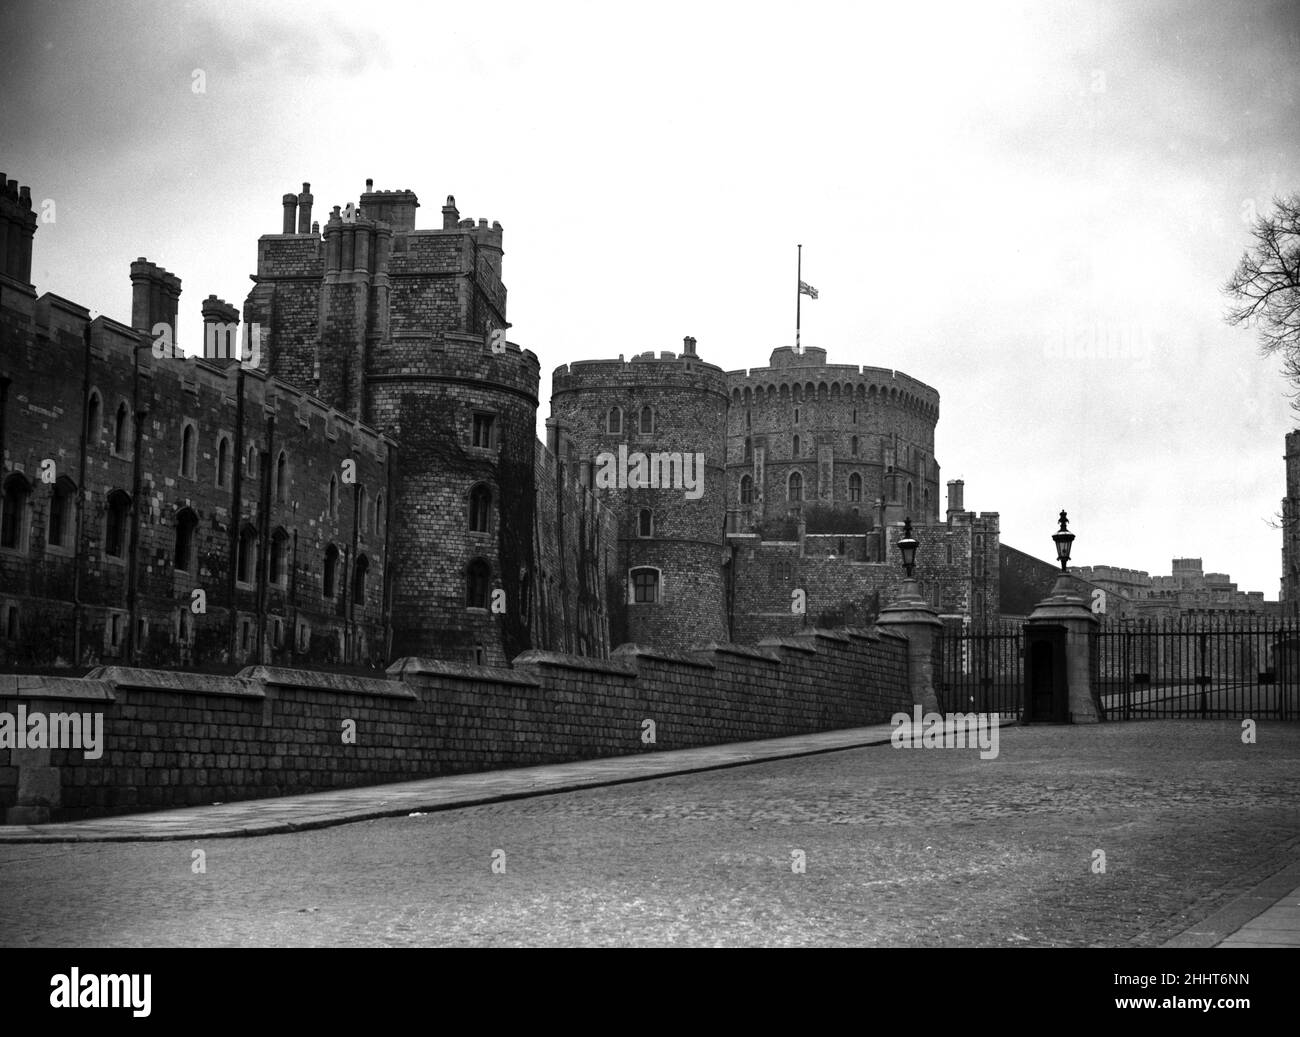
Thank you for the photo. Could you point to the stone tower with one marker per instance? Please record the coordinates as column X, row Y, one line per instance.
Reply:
column 404, row 329
column 804, row 433
column 649, row 435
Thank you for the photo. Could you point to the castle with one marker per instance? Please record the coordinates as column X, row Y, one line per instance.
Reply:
column 360, row 478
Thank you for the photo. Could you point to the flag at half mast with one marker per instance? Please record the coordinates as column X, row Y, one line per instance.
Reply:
column 804, row 289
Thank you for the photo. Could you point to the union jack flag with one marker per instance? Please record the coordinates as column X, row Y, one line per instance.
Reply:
column 806, row 289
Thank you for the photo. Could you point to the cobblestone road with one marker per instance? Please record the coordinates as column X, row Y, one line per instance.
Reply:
column 902, row 848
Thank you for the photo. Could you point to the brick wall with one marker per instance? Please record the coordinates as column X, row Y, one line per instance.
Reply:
column 176, row 739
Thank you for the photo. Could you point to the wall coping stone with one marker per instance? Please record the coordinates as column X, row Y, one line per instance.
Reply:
column 791, row 643
column 414, row 665
column 743, row 651
column 535, row 657
column 344, row 683
column 39, row 686
column 636, row 651
column 176, row 680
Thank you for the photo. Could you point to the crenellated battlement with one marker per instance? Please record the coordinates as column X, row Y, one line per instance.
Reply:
column 642, row 370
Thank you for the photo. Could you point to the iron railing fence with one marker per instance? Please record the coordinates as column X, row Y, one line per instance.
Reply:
column 1200, row 666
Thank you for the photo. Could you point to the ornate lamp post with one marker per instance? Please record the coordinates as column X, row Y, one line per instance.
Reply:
column 1058, row 657
column 911, row 616
column 1063, row 539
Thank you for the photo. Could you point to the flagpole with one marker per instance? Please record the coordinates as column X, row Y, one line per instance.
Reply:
column 798, row 291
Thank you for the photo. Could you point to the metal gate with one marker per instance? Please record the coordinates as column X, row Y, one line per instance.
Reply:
column 980, row 671
column 1200, row 667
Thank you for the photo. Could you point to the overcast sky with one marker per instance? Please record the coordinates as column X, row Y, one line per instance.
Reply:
column 1029, row 206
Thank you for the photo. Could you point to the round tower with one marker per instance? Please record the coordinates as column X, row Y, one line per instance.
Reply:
column 461, row 401
column 803, row 433
column 649, row 436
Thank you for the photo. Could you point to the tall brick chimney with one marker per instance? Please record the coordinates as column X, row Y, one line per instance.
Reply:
column 17, row 228
column 688, row 345
column 155, row 297
column 220, row 330
column 450, row 214
column 304, row 209
column 956, row 490
column 290, row 213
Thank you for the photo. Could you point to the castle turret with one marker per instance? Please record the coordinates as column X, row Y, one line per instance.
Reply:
column 653, row 431
column 17, row 228
column 805, row 434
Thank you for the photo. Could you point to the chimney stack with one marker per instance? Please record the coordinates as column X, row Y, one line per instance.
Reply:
column 155, row 297
column 955, row 494
column 304, row 209
column 688, row 345
column 450, row 214
column 220, row 330
column 290, row 213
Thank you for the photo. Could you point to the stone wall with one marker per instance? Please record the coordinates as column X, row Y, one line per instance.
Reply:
column 173, row 739
column 228, row 449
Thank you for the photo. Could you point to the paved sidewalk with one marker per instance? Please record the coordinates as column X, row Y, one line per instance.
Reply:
column 282, row 814
column 1267, row 916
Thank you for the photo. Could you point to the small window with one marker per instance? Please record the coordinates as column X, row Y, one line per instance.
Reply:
column 480, row 509
column 363, row 508
column 115, row 630
column 853, row 446
column 478, row 578
column 647, row 420
column 246, row 568
column 749, row 419
column 11, row 622
column 645, row 586
column 188, row 451
column 250, row 464
column 329, row 582
column 223, row 460
column 282, row 478
column 94, row 420
column 855, row 487
column 116, row 521
column 796, row 487
column 186, row 524
column 614, row 421
column 62, row 512
column 480, row 655
column 749, row 449
column 121, row 429
column 333, row 501
column 796, row 415
column 645, row 523
column 379, row 513
column 746, row 490
column 795, row 451
column 280, row 558
column 483, row 429
column 359, row 574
